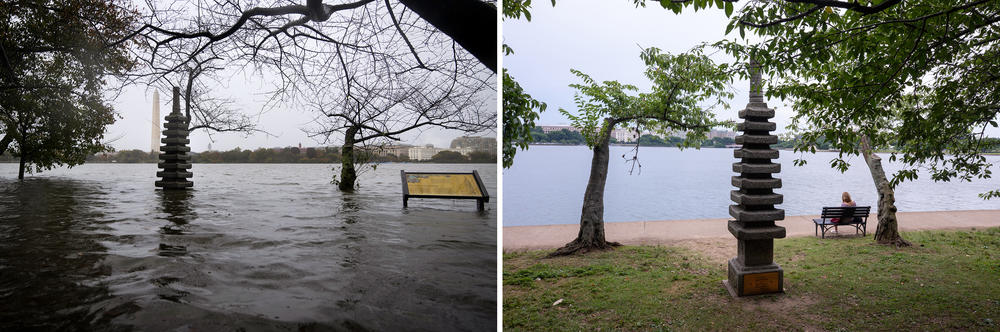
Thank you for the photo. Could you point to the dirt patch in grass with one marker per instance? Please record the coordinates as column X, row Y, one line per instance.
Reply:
column 781, row 305
column 716, row 250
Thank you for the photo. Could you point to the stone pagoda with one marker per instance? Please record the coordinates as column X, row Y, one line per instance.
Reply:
column 753, row 270
column 175, row 160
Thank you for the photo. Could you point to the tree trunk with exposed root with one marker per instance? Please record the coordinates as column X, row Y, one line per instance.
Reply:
column 591, row 235
column 887, row 231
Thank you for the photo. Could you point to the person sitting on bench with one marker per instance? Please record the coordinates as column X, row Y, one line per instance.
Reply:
column 845, row 201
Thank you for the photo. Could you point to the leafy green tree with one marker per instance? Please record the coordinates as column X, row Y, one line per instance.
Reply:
column 449, row 157
column 54, row 60
column 135, row 156
column 518, row 118
column 919, row 76
column 681, row 84
column 519, row 114
column 519, row 107
column 482, row 157
column 651, row 140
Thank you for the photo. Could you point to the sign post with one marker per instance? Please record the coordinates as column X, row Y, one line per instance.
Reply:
column 444, row 185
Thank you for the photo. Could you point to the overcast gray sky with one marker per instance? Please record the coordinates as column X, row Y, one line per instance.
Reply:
column 604, row 39
column 285, row 125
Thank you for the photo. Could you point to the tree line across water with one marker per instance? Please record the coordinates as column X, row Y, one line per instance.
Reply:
column 291, row 155
column 569, row 137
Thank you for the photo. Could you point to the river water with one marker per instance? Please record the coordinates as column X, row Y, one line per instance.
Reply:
column 546, row 184
column 253, row 247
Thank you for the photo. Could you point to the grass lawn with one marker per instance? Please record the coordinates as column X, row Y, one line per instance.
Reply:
column 948, row 280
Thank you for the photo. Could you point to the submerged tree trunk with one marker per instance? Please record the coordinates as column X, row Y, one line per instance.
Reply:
column 591, row 235
column 348, row 176
column 887, row 231
column 20, row 170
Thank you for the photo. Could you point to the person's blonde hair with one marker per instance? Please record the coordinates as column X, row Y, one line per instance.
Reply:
column 845, row 197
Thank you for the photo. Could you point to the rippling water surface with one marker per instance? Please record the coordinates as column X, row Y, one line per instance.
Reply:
column 546, row 184
column 253, row 247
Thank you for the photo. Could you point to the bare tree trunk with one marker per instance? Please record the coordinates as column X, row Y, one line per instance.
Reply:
column 20, row 170
column 887, row 231
column 348, row 176
column 591, row 235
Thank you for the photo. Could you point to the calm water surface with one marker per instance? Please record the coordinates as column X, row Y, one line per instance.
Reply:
column 546, row 184
column 253, row 247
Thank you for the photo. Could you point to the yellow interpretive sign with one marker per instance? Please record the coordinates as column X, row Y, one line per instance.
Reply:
column 760, row 283
column 444, row 185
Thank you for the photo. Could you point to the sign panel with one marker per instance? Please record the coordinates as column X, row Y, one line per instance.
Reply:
column 760, row 283
column 442, row 184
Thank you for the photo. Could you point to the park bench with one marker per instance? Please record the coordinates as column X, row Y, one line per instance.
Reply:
column 856, row 216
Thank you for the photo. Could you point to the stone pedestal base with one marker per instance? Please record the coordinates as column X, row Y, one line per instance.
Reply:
column 754, row 280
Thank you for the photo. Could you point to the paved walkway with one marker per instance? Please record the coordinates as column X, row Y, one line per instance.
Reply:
column 516, row 238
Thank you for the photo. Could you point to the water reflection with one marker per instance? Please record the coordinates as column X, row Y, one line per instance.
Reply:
column 349, row 207
column 176, row 205
column 49, row 261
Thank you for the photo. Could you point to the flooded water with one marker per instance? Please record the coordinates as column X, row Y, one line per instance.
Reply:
column 546, row 184
column 253, row 247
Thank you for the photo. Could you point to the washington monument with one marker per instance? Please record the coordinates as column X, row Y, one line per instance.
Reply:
column 154, row 145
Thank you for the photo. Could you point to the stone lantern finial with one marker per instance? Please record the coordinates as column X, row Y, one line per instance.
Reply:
column 756, row 85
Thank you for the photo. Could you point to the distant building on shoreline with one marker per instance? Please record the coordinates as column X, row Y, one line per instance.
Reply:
column 465, row 145
column 423, row 152
column 624, row 135
column 401, row 151
column 549, row 129
column 474, row 143
column 721, row 134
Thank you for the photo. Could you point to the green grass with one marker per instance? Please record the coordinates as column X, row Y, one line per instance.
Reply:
column 948, row 280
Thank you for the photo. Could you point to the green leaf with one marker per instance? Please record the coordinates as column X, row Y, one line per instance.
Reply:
column 729, row 11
